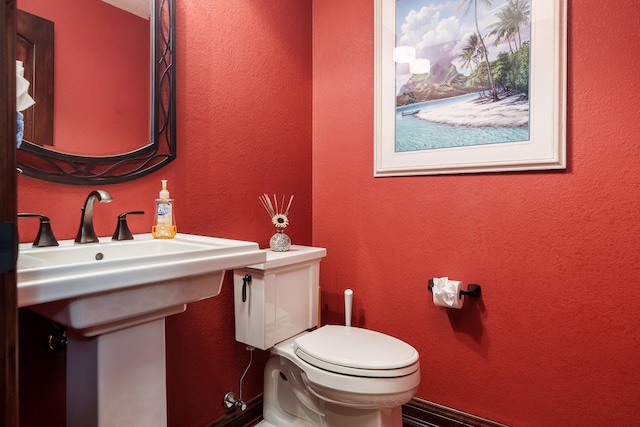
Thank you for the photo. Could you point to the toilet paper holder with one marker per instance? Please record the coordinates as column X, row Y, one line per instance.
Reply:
column 473, row 290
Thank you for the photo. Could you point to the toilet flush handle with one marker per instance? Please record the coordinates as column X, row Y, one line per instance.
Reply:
column 246, row 279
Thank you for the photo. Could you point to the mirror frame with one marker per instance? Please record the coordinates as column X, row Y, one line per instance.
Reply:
column 49, row 165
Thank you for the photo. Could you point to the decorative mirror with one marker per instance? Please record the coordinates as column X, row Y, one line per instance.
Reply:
column 86, row 166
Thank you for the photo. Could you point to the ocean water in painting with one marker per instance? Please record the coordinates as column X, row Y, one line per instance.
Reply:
column 475, row 89
column 414, row 134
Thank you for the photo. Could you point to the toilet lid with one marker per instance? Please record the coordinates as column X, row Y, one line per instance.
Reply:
column 356, row 351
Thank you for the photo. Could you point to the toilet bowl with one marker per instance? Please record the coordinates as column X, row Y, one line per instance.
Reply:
column 332, row 376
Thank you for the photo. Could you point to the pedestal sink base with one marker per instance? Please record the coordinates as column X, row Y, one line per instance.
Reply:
column 113, row 297
column 118, row 379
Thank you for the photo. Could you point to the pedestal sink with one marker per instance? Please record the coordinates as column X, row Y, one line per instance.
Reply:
column 113, row 297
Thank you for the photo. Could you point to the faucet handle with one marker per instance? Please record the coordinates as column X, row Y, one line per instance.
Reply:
column 45, row 235
column 122, row 229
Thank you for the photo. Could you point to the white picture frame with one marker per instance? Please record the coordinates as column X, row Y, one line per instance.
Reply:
column 544, row 149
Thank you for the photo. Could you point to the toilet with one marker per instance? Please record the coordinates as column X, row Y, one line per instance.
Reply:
column 332, row 376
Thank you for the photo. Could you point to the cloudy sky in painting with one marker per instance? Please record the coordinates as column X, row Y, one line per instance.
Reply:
column 439, row 29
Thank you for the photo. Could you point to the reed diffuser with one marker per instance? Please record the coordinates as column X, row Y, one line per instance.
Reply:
column 279, row 242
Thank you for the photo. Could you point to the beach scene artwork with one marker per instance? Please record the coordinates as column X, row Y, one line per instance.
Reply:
column 462, row 73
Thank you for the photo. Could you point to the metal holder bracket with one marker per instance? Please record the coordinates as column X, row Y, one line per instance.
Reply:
column 473, row 290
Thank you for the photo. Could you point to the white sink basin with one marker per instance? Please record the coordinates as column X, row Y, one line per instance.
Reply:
column 98, row 287
column 73, row 255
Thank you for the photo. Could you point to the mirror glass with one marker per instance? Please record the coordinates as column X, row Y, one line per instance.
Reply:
column 104, row 91
column 101, row 78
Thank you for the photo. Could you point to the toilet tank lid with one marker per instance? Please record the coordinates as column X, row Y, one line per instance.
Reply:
column 295, row 255
column 356, row 348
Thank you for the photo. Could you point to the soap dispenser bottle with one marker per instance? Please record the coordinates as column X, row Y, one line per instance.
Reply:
column 164, row 224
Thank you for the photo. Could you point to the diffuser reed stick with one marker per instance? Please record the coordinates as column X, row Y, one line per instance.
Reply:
column 279, row 218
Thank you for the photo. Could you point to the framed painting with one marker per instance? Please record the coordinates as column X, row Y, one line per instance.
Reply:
column 466, row 86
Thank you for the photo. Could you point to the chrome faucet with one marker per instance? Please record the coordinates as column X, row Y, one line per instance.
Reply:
column 86, row 233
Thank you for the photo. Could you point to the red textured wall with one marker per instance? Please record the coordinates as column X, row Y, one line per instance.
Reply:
column 554, row 340
column 244, row 128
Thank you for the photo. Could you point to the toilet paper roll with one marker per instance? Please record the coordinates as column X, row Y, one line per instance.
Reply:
column 446, row 293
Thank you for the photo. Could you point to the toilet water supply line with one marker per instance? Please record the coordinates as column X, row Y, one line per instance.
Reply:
column 230, row 400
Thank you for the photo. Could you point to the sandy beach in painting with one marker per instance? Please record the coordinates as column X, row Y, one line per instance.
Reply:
column 511, row 111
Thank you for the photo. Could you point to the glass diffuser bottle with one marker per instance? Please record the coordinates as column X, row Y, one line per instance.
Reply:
column 279, row 242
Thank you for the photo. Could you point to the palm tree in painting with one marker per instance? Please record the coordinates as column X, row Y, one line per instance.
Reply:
column 472, row 53
column 512, row 17
column 468, row 3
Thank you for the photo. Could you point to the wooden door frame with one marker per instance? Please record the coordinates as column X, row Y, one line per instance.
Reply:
column 8, row 206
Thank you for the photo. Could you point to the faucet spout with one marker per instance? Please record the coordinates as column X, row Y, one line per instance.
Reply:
column 86, row 233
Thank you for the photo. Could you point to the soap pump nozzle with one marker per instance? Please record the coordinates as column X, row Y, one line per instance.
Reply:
column 164, row 193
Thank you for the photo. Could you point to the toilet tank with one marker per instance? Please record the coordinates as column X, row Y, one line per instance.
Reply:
column 281, row 300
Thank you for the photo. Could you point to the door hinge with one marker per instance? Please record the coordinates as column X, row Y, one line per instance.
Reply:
column 8, row 246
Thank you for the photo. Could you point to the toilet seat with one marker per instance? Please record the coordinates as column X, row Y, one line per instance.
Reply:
column 356, row 352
